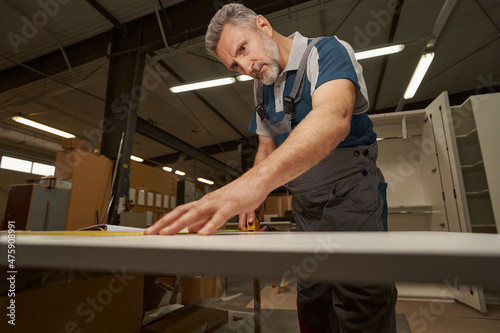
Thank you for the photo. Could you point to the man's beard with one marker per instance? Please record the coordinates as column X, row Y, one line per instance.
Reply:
column 273, row 62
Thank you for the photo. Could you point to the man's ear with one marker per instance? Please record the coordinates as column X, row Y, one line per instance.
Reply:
column 264, row 25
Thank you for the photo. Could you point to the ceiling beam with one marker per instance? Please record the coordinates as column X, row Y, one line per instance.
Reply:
column 390, row 39
column 154, row 133
column 220, row 148
column 201, row 98
column 52, row 63
column 189, row 19
column 443, row 17
column 118, row 25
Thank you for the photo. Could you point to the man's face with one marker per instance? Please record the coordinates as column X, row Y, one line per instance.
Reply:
column 249, row 52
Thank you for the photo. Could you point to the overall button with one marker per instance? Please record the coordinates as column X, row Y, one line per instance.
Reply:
column 366, row 152
column 364, row 172
column 356, row 153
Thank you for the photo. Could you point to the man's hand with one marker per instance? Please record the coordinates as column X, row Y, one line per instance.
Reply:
column 250, row 216
column 213, row 210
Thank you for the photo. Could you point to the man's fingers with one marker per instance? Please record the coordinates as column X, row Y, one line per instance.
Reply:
column 167, row 219
column 197, row 226
column 251, row 216
column 192, row 216
column 212, row 225
column 242, row 223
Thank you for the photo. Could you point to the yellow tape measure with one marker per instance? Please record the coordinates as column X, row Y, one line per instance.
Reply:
column 253, row 226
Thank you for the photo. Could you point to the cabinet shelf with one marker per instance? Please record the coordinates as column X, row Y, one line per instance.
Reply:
column 484, row 228
column 399, row 137
column 410, row 210
column 478, row 166
column 469, row 138
column 478, row 194
column 394, row 125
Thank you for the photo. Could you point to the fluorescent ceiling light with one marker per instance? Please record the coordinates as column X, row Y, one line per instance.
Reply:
column 380, row 51
column 242, row 78
column 203, row 84
column 229, row 80
column 418, row 76
column 16, row 164
column 180, row 173
column 135, row 158
column 206, row 181
column 43, row 169
column 42, row 127
column 169, row 169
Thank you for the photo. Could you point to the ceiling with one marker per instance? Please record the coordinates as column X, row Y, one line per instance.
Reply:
column 71, row 94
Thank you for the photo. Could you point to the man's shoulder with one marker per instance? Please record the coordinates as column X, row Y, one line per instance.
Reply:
column 330, row 44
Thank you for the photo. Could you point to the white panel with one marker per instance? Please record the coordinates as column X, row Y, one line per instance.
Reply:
column 487, row 116
column 378, row 256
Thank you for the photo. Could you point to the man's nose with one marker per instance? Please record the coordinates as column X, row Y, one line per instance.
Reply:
column 247, row 67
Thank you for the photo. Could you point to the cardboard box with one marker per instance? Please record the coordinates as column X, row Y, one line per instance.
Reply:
column 69, row 159
column 74, row 143
column 196, row 289
column 201, row 288
column 133, row 219
column 278, row 204
column 111, row 303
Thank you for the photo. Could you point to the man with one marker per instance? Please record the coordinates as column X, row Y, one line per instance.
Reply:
column 319, row 141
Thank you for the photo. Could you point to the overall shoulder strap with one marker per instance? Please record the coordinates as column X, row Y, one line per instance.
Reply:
column 294, row 96
column 261, row 106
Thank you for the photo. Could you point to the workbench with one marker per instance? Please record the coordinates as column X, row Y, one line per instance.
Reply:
column 441, row 257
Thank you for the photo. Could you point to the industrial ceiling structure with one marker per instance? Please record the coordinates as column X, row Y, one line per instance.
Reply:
column 55, row 55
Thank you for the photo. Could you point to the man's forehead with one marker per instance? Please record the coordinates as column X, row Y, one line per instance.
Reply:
column 230, row 37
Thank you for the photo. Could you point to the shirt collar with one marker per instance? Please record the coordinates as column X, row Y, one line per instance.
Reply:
column 299, row 45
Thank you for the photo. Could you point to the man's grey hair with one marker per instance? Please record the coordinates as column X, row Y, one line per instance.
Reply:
column 233, row 13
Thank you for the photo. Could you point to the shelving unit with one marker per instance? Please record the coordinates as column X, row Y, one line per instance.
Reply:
column 477, row 183
column 441, row 165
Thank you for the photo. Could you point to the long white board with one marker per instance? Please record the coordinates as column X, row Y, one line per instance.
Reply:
column 328, row 256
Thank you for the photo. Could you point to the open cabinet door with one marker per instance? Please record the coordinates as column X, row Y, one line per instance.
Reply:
column 439, row 126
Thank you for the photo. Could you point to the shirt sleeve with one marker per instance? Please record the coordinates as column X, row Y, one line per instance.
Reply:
column 334, row 59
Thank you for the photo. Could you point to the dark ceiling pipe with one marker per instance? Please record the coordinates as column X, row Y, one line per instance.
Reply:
column 97, row 6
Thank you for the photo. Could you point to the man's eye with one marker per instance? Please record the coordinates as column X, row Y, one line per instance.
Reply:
column 242, row 47
column 234, row 66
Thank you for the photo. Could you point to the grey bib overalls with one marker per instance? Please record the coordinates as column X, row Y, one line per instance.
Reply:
column 343, row 192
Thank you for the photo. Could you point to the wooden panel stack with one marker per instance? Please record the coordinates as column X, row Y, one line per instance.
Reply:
column 153, row 191
column 91, row 183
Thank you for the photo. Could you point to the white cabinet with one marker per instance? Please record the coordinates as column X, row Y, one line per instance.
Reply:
column 477, row 136
column 442, row 168
column 441, row 165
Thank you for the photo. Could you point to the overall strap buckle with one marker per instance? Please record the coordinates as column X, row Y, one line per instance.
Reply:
column 261, row 111
column 290, row 106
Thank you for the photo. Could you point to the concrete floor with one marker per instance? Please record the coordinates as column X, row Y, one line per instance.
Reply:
column 238, row 300
column 453, row 317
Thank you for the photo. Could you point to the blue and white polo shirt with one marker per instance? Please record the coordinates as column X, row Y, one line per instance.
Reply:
column 330, row 59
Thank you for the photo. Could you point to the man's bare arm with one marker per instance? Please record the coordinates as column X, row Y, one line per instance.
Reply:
column 267, row 145
column 316, row 136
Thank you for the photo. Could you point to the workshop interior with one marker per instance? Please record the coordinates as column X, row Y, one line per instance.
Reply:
column 112, row 114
